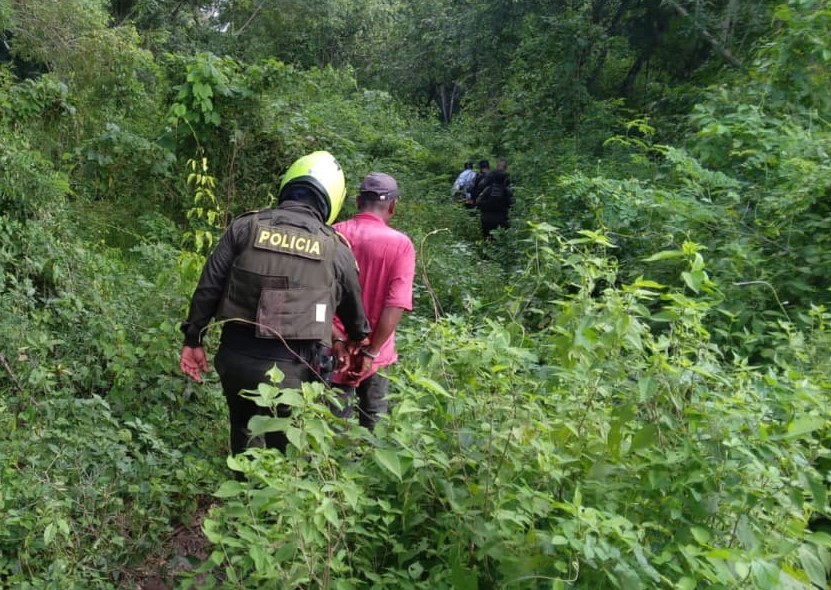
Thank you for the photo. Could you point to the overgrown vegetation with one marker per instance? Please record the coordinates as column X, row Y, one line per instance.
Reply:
column 627, row 389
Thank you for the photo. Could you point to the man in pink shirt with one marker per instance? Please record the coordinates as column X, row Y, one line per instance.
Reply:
column 386, row 259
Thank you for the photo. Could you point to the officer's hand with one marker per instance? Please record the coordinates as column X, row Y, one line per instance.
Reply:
column 193, row 361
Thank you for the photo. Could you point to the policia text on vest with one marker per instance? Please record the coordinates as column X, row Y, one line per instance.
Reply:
column 281, row 240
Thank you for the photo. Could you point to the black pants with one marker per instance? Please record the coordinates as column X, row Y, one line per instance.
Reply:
column 239, row 371
column 492, row 221
column 372, row 400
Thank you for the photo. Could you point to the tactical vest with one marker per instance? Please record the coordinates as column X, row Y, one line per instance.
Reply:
column 493, row 199
column 284, row 280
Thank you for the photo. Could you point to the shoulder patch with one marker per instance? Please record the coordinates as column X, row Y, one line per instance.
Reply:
column 248, row 214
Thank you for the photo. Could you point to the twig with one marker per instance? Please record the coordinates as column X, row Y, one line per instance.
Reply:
column 8, row 368
column 19, row 407
column 775, row 294
column 250, row 18
column 437, row 310
column 725, row 51
column 283, row 340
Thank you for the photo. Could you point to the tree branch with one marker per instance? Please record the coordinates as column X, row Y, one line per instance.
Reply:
column 725, row 51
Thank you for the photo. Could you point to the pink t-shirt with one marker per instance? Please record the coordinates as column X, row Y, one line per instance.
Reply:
column 386, row 259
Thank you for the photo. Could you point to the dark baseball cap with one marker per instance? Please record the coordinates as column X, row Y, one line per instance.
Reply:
column 379, row 186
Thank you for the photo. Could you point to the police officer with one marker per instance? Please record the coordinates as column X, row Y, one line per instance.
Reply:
column 275, row 280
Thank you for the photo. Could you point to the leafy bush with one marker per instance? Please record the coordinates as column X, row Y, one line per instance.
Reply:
column 597, row 451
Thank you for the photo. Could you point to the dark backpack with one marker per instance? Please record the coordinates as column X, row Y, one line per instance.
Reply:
column 493, row 199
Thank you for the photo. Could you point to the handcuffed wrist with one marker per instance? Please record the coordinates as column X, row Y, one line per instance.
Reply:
column 366, row 352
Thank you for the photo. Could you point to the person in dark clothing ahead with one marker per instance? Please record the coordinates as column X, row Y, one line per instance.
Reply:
column 276, row 280
column 495, row 202
column 479, row 181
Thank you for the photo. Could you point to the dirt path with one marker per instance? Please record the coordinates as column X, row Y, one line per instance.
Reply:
column 184, row 551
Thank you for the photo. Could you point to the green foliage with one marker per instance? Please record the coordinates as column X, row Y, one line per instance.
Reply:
column 626, row 389
column 795, row 62
column 92, row 466
column 205, row 210
column 594, row 452
column 46, row 32
column 45, row 98
column 208, row 79
column 30, row 186
column 86, row 488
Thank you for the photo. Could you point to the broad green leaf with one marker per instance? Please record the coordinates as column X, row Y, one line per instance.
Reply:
column 641, row 283
column 819, row 492
column 644, row 437
column 233, row 463
column 614, row 439
column 259, row 557
column 229, row 489
column 275, row 375
column 742, row 569
column 805, row 425
column 291, row 398
column 700, row 534
column 259, row 425
column 464, row 578
column 388, row 459
column 63, row 526
column 330, row 512
column 627, row 577
column 665, row 255
column 647, row 388
column 285, row 552
column 765, row 575
column 433, row 386
column 296, row 438
column 812, row 565
column 49, row 534
column 217, row 556
column 692, row 280
column 821, row 539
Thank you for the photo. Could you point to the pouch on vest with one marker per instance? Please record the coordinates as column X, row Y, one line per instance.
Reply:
column 294, row 314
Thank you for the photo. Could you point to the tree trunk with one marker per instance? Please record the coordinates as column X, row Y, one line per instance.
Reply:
column 611, row 31
column 730, row 17
column 628, row 84
column 448, row 100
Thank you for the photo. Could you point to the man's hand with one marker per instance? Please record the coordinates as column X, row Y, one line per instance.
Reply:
column 193, row 362
column 354, row 364
column 355, row 346
column 361, row 365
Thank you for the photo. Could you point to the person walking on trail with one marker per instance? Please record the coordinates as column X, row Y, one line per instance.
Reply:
column 386, row 258
column 495, row 202
column 463, row 185
column 502, row 165
column 276, row 280
column 479, row 181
